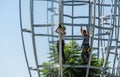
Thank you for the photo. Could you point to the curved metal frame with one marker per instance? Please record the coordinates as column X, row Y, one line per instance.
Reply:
column 114, row 30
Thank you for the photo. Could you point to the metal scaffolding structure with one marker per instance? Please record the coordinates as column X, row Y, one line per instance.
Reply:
column 102, row 17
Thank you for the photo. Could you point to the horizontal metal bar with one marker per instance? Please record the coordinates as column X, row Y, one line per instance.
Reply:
column 102, row 34
column 87, row 2
column 52, row 42
column 66, row 37
column 101, row 74
column 74, row 4
column 70, row 24
column 67, row 16
column 100, row 27
column 70, row 37
column 104, row 39
column 72, row 66
column 76, row 17
column 43, row 25
column 33, row 68
column 47, row 35
column 26, row 30
column 76, row 1
column 51, row 9
column 74, row 36
column 108, row 16
column 78, row 38
column 80, row 3
column 106, row 23
column 51, row 66
column 82, row 66
column 48, row 0
column 84, row 3
column 114, row 53
column 108, row 5
column 113, row 47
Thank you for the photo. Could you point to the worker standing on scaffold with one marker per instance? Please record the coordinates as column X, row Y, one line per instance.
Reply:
column 61, row 29
column 85, row 46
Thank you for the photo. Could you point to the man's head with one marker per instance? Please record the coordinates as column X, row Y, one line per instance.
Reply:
column 84, row 32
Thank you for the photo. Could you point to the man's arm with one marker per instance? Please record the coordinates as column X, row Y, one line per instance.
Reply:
column 81, row 30
column 57, row 30
column 87, row 31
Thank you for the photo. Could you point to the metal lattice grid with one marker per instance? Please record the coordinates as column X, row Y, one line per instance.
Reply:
column 101, row 16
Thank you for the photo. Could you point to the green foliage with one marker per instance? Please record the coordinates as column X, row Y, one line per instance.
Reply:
column 73, row 57
column 49, row 70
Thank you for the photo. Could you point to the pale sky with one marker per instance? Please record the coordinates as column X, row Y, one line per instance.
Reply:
column 12, row 61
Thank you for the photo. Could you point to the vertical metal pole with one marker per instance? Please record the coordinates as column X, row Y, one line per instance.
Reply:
column 33, row 37
column 116, row 36
column 102, row 31
column 60, row 39
column 60, row 11
column 118, row 66
column 60, row 54
column 101, row 8
column 99, row 14
column 52, row 19
column 109, row 40
column 62, row 18
column 92, row 31
column 72, row 18
column 22, row 36
column 47, row 20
